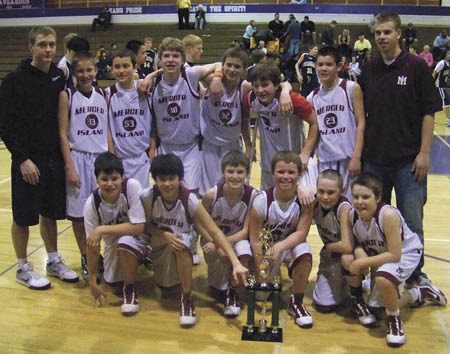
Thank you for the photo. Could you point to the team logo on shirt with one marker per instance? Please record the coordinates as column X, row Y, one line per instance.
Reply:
column 401, row 80
column 91, row 121
column 225, row 115
column 173, row 109
column 330, row 120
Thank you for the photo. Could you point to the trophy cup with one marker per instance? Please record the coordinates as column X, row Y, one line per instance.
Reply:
column 263, row 332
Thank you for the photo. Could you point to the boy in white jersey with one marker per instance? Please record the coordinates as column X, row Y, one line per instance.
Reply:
column 130, row 119
column 278, row 210
column 172, row 211
column 114, row 213
column 279, row 131
column 339, row 107
column 331, row 215
column 228, row 203
column 83, row 131
column 386, row 245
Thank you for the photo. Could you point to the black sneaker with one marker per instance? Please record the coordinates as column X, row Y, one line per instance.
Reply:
column 231, row 308
column 130, row 304
column 395, row 335
column 84, row 268
column 188, row 318
column 360, row 309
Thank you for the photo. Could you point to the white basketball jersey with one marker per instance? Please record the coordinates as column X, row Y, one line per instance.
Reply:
column 278, row 131
column 221, row 120
column 371, row 237
column 336, row 121
column 176, row 109
column 327, row 222
column 177, row 218
column 129, row 121
column 230, row 219
column 88, row 121
column 280, row 219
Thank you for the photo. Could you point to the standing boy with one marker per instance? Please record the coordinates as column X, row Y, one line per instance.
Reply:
column 130, row 119
column 114, row 213
column 228, row 203
column 441, row 74
column 150, row 64
column 193, row 47
column 305, row 68
column 138, row 48
column 339, row 107
column 278, row 211
column 83, row 131
column 279, row 131
column 172, row 211
column 29, row 127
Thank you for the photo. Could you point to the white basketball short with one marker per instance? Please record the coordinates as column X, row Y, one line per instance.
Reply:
column 164, row 261
column 76, row 197
column 190, row 155
column 397, row 273
column 288, row 257
column 342, row 167
column 138, row 167
column 331, row 286
column 211, row 162
column 219, row 272
column 138, row 246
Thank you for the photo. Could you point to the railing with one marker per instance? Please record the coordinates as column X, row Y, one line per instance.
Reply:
column 112, row 3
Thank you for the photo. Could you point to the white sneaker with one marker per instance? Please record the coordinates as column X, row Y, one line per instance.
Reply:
column 448, row 122
column 300, row 313
column 25, row 275
column 360, row 309
column 57, row 268
column 130, row 304
column 196, row 259
column 188, row 318
column 433, row 294
column 395, row 335
column 231, row 308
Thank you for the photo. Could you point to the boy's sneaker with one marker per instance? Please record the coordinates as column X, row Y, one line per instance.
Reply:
column 84, row 269
column 360, row 309
column 187, row 312
column 395, row 335
column 301, row 315
column 130, row 304
column 25, row 275
column 432, row 294
column 232, row 308
column 57, row 268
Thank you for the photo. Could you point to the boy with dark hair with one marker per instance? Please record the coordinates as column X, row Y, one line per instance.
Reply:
column 441, row 74
column 138, row 48
column 83, row 131
column 130, row 119
column 172, row 211
column 305, row 67
column 75, row 44
column 114, row 213
column 277, row 210
column 29, row 127
column 339, row 107
column 150, row 63
column 228, row 203
column 279, row 131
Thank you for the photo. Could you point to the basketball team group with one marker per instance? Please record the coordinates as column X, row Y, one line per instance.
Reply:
column 87, row 154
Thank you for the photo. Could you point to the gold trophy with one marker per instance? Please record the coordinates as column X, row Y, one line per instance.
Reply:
column 263, row 332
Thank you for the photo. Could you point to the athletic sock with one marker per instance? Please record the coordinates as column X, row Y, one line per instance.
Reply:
column 393, row 313
column 21, row 262
column 51, row 256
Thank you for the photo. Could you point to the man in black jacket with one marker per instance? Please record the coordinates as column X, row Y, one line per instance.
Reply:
column 29, row 128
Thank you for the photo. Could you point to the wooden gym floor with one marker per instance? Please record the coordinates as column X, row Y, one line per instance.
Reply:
column 63, row 319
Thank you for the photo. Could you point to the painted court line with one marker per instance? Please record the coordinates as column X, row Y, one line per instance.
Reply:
column 442, row 140
column 277, row 348
column 5, row 180
column 437, row 258
column 33, row 252
column 443, row 326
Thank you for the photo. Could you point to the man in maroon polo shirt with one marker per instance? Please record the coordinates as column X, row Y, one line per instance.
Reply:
column 400, row 99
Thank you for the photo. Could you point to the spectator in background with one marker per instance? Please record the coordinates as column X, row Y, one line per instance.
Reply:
column 409, row 36
column 183, row 13
column 256, row 57
column 344, row 43
column 440, row 45
column 103, row 20
column 263, row 34
column 329, row 38
column 277, row 26
column 150, row 63
column 200, row 17
column 426, row 55
column 294, row 32
column 102, row 63
column 249, row 32
column 363, row 47
column 308, row 32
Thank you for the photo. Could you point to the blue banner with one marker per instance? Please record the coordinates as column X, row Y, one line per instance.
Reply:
column 21, row 4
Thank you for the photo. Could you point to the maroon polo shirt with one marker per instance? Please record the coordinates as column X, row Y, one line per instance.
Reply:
column 396, row 99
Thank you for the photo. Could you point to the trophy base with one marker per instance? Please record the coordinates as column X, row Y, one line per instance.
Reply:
column 267, row 336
